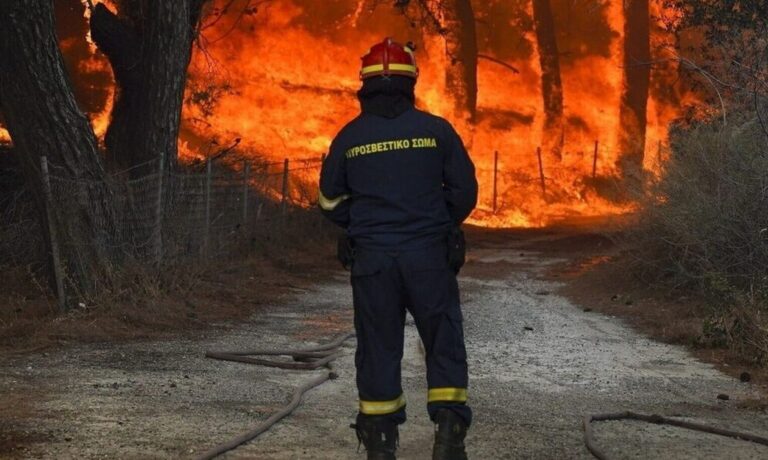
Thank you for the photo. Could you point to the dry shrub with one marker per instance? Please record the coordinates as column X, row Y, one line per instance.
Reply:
column 705, row 227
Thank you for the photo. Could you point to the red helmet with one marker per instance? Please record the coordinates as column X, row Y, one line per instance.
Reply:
column 389, row 58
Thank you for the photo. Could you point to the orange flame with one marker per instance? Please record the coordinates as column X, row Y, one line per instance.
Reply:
column 284, row 82
column 97, row 63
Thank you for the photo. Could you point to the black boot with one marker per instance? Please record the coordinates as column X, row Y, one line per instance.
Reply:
column 379, row 435
column 450, row 430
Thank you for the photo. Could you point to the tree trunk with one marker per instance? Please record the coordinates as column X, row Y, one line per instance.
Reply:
column 551, row 82
column 455, row 21
column 149, row 45
column 634, row 98
column 461, row 52
column 43, row 119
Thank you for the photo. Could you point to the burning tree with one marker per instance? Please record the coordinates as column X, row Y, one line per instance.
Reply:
column 551, row 82
column 634, row 98
column 149, row 45
column 455, row 22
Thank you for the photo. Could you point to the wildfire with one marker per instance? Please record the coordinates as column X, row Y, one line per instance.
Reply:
column 292, row 88
column 283, row 79
column 97, row 63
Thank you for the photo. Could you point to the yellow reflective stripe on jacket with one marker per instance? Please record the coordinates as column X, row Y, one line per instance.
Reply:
column 328, row 204
column 382, row 407
column 392, row 67
column 447, row 394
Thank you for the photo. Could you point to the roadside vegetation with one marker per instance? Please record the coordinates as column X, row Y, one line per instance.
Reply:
column 705, row 228
column 704, row 225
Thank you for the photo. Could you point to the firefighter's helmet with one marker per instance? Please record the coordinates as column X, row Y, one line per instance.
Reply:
column 389, row 58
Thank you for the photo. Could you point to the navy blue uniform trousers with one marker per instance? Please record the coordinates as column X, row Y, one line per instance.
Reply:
column 384, row 285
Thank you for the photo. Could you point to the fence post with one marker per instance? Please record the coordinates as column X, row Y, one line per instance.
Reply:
column 495, row 179
column 246, row 188
column 594, row 160
column 58, row 274
column 541, row 173
column 208, row 174
column 284, row 202
column 158, row 232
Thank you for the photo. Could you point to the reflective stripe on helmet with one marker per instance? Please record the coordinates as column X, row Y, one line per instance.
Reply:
column 382, row 407
column 379, row 69
column 389, row 58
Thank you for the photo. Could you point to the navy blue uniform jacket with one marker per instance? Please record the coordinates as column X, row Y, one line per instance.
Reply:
column 399, row 183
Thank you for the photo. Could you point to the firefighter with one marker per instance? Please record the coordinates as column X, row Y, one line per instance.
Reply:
column 400, row 182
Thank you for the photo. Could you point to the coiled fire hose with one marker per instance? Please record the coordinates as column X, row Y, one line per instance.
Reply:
column 307, row 359
column 658, row 420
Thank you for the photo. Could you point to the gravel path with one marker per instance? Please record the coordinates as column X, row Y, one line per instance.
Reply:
column 537, row 365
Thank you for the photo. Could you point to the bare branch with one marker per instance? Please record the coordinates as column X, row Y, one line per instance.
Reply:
column 499, row 62
column 225, row 151
column 690, row 65
column 712, row 79
column 432, row 11
column 222, row 12
column 250, row 6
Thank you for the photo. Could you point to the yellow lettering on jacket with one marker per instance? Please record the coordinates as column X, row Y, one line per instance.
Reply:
column 393, row 145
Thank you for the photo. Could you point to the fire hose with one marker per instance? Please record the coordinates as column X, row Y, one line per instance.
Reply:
column 324, row 355
column 658, row 420
column 307, row 359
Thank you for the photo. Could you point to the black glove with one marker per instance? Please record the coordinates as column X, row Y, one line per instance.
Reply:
column 457, row 249
column 345, row 251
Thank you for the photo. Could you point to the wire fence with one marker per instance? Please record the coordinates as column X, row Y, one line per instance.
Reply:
column 207, row 210
column 509, row 182
column 171, row 216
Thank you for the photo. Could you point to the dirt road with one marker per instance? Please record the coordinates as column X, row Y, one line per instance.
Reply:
column 537, row 365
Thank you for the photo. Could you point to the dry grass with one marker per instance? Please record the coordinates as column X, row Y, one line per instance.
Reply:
column 705, row 228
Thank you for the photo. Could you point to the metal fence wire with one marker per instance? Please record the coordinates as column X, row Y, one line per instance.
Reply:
column 176, row 215
column 209, row 209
